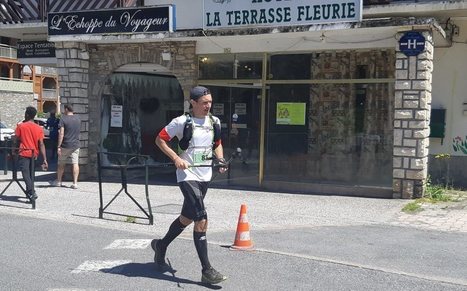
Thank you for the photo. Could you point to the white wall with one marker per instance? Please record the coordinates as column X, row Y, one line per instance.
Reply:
column 449, row 90
column 188, row 13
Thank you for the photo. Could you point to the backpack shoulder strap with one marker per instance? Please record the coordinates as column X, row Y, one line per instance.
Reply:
column 216, row 130
column 187, row 132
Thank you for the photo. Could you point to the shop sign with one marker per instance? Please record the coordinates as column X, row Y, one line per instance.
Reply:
column 130, row 20
column 256, row 13
column 412, row 43
column 36, row 49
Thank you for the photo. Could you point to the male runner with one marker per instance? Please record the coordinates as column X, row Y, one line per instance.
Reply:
column 192, row 180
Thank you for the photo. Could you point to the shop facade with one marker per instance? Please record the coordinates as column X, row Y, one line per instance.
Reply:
column 325, row 108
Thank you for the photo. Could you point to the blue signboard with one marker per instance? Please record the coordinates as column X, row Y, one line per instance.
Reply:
column 412, row 43
column 128, row 20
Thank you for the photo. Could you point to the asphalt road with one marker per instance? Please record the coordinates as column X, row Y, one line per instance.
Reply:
column 40, row 254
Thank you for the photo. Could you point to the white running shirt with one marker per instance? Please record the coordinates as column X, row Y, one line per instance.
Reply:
column 199, row 151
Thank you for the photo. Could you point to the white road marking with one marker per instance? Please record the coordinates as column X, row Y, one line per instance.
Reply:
column 129, row 244
column 96, row 266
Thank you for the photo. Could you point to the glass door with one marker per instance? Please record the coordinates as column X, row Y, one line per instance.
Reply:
column 238, row 107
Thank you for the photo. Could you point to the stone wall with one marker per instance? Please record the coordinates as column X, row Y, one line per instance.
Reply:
column 73, row 76
column 411, row 121
column 13, row 106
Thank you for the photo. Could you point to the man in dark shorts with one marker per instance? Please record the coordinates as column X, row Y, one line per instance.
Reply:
column 68, row 145
column 31, row 140
column 193, row 180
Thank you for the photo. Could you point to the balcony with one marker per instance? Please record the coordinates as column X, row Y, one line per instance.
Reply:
column 49, row 95
column 23, row 11
column 7, row 52
column 15, row 85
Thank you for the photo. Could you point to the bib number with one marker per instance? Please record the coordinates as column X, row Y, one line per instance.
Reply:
column 201, row 157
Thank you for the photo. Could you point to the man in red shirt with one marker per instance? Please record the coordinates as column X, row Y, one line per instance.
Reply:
column 31, row 139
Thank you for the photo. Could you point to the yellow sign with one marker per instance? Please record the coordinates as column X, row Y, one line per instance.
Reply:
column 290, row 113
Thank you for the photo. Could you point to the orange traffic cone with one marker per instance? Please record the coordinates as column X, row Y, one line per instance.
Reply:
column 242, row 237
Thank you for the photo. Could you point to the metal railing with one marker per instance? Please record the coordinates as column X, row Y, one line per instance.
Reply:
column 10, row 156
column 8, row 52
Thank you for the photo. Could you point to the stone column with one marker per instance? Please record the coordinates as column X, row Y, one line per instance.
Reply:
column 411, row 120
column 73, row 76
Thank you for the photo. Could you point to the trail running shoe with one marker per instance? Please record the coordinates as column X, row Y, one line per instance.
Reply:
column 211, row 276
column 159, row 255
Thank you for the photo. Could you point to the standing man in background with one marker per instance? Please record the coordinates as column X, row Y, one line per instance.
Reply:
column 31, row 140
column 68, row 145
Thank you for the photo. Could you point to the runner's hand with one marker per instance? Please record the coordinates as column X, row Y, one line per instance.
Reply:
column 223, row 166
column 181, row 163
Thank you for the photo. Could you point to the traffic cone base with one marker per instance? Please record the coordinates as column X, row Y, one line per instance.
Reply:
column 242, row 237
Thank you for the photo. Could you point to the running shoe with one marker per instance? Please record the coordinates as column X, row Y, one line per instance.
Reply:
column 211, row 276
column 74, row 186
column 159, row 255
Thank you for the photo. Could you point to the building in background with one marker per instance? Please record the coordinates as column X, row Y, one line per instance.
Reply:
column 22, row 83
column 335, row 97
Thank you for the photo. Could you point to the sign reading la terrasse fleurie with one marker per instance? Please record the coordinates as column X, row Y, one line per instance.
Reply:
column 252, row 13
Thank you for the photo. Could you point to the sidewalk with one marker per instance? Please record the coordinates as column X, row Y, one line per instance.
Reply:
column 266, row 210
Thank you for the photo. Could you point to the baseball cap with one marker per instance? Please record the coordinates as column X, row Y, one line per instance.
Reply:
column 198, row 91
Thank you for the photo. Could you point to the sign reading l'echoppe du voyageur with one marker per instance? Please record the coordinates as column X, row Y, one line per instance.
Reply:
column 240, row 13
column 128, row 20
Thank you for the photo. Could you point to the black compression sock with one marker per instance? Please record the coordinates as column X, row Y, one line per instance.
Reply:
column 175, row 229
column 201, row 245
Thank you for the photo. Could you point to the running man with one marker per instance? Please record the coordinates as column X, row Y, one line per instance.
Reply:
column 199, row 136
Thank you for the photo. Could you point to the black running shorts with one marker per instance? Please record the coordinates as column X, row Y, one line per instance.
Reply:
column 193, row 205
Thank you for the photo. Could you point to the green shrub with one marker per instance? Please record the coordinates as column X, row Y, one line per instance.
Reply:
column 412, row 207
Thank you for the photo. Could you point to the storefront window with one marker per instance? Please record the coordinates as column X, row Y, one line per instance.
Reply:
column 330, row 133
column 135, row 107
column 328, row 116
column 227, row 67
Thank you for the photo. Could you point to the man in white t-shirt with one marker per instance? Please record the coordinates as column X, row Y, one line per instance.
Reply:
column 199, row 136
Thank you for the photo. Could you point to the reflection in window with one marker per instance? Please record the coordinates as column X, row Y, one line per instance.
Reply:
column 242, row 66
column 348, row 134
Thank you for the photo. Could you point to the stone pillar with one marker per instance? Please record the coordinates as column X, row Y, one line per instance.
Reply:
column 73, row 76
column 411, row 120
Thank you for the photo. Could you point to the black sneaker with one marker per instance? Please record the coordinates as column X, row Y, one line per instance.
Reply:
column 211, row 276
column 159, row 255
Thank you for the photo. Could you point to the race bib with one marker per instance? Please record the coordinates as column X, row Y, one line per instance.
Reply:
column 202, row 157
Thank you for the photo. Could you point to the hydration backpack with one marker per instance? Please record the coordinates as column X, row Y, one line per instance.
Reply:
column 188, row 132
